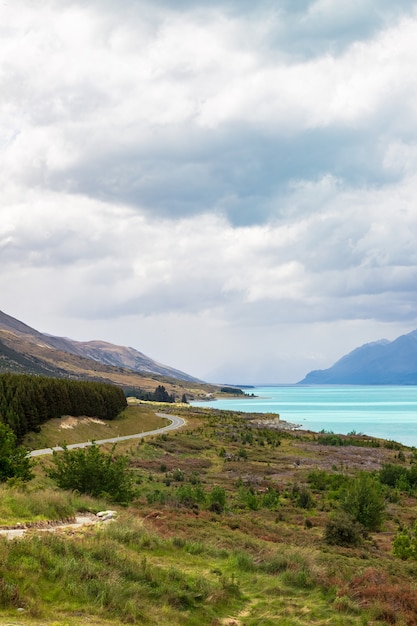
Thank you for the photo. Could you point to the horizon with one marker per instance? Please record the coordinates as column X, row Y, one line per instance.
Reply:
column 226, row 187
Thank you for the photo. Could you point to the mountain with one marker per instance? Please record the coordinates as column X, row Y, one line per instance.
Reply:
column 379, row 363
column 24, row 349
column 117, row 356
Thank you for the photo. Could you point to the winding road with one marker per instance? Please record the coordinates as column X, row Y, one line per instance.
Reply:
column 176, row 422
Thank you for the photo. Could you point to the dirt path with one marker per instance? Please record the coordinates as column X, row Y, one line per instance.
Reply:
column 19, row 530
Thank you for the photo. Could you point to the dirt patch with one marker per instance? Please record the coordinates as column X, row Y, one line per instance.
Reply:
column 70, row 523
column 72, row 422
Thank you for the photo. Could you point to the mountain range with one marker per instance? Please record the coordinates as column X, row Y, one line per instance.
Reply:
column 26, row 350
column 378, row 363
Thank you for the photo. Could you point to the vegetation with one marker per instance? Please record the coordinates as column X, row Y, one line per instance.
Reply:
column 26, row 402
column 332, row 439
column 342, row 530
column 14, row 462
column 235, row 391
column 159, row 395
column 96, row 473
column 365, row 502
column 226, row 521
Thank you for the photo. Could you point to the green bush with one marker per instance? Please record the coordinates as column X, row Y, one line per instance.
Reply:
column 14, row 462
column 342, row 530
column 87, row 470
column 217, row 500
column 365, row 502
column 191, row 496
column 302, row 497
column 398, row 476
column 405, row 543
column 325, row 481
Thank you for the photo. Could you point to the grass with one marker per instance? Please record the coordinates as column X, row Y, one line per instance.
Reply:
column 21, row 505
column 170, row 559
column 134, row 419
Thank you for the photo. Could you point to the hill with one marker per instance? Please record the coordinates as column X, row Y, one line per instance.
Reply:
column 26, row 350
column 379, row 363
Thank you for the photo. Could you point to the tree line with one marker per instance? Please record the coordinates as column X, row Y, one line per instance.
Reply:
column 159, row 395
column 27, row 401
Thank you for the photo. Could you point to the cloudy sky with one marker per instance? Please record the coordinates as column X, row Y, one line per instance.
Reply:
column 229, row 186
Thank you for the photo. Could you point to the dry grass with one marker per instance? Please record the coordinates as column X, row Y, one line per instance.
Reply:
column 134, row 419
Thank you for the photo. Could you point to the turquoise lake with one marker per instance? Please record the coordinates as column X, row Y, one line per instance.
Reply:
column 383, row 411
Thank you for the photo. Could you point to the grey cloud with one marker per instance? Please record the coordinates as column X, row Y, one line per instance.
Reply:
column 306, row 28
column 239, row 171
column 309, row 32
column 245, row 170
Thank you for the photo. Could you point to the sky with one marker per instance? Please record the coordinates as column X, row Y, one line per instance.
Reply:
column 230, row 187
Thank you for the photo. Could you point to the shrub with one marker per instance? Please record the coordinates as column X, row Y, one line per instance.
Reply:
column 364, row 500
column 14, row 462
column 342, row 530
column 270, row 499
column 389, row 474
column 302, row 497
column 96, row 473
column 191, row 496
column 405, row 543
column 325, row 481
column 217, row 500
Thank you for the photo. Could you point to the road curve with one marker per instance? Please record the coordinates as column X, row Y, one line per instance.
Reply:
column 176, row 422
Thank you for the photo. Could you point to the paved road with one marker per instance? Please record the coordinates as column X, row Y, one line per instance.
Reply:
column 176, row 422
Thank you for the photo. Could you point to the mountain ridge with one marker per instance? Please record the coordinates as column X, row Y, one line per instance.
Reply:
column 380, row 362
column 25, row 349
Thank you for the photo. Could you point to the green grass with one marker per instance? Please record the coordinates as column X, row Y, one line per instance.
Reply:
column 21, row 505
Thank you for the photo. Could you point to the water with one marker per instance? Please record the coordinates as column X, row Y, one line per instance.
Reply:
column 389, row 412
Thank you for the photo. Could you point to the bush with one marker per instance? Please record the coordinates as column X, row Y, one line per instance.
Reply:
column 217, row 500
column 342, row 530
column 302, row 497
column 96, row 473
column 405, row 543
column 14, row 462
column 365, row 502
column 191, row 496
column 326, row 481
column 390, row 474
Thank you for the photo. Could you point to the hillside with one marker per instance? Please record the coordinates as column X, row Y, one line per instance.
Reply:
column 231, row 523
column 379, row 363
column 26, row 350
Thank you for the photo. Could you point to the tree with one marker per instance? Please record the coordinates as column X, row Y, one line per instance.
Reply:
column 365, row 502
column 162, row 395
column 14, row 462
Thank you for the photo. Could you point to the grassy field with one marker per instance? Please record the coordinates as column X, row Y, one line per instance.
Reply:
column 134, row 419
column 227, row 528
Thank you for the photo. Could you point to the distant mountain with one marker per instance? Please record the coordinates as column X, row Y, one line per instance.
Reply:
column 379, row 363
column 24, row 349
